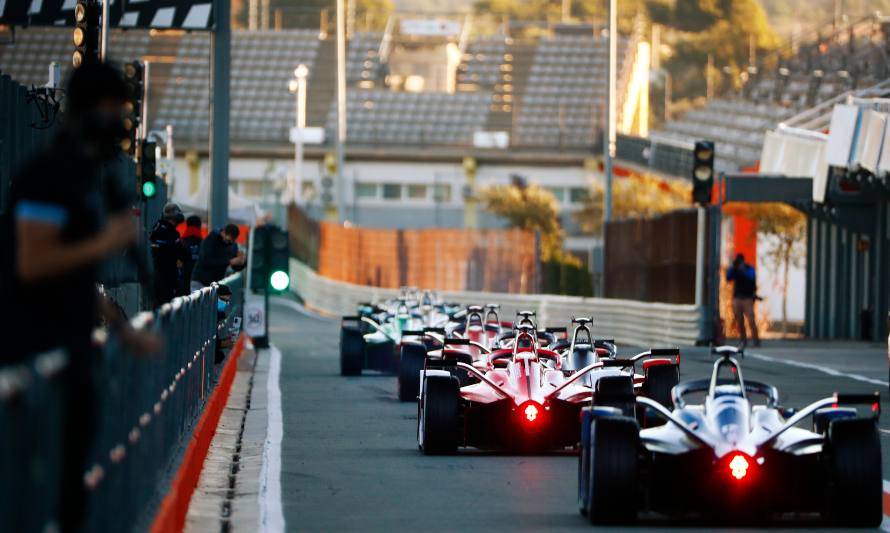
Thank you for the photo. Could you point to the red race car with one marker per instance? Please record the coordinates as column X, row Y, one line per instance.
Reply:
column 522, row 400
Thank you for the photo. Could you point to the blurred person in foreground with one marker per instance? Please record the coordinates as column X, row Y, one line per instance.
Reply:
column 192, row 239
column 744, row 293
column 61, row 229
column 170, row 255
column 219, row 251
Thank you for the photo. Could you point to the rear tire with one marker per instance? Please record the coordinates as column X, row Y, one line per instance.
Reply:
column 410, row 364
column 616, row 391
column 614, row 470
column 440, row 415
column 855, row 496
column 584, row 461
column 352, row 351
column 658, row 383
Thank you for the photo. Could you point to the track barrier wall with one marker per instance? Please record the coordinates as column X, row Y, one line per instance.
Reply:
column 148, row 408
column 628, row 322
column 451, row 259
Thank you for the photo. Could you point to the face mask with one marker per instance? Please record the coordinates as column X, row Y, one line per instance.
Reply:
column 222, row 305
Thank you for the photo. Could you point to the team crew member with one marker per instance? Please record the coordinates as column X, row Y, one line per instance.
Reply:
column 170, row 255
column 744, row 292
column 192, row 239
column 219, row 251
column 60, row 234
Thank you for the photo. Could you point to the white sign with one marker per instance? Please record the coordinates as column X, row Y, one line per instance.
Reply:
column 429, row 27
column 311, row 135
column 491, row 139
column 254, row 316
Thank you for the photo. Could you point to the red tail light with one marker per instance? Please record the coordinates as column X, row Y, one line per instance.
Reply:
column 531, row 414
column 738, row 466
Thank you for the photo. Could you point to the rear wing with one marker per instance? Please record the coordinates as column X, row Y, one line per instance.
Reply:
column 836, row 400
column 630, row 362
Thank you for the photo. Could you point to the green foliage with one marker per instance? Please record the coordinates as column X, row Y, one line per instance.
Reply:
column 531, row 208
column 564, row 276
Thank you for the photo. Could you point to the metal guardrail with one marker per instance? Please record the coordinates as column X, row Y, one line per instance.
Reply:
column 148, row 407
column 628, row 322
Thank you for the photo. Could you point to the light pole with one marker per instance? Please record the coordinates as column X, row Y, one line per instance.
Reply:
column 298, row 87
column 609, row 144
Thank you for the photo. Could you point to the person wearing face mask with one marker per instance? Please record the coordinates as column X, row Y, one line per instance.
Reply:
column 219, row 251
column 62, row 223
column 169, row 254
column 225, row 340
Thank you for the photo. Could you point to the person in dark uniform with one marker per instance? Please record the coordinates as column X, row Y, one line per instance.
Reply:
column 744, row 292
column 169, row 254
column 192, row 239
column 60, row 231
column 219, row 251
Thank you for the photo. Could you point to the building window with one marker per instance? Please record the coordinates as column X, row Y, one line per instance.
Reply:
column 366, row 190
column 442, row 192
column 417, row 192
column 577, row 195
column 558, row 192
column 392, row 191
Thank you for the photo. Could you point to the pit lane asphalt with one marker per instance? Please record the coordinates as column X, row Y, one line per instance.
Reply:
column 350, row 460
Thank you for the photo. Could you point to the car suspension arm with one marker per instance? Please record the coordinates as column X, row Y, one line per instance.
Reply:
column 485, row 380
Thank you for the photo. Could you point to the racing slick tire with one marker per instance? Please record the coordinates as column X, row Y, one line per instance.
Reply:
column 616, row 391
column 440, row 415
column 855, row 493
column 411, row 359
column 352, row 348
column 658, row 383
column 614, row 471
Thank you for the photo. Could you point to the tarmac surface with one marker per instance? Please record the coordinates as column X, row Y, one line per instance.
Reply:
column 350, row 460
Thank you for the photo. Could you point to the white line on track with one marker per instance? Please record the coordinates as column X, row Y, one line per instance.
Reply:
column 824, row 369
column 271, row 512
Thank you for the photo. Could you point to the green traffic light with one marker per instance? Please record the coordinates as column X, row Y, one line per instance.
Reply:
column 279, row 280
column 149, row 189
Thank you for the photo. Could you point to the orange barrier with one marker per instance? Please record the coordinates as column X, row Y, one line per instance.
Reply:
column 174, row 507
column 445, row 259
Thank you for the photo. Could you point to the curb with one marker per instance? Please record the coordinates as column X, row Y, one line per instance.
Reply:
column 171, row 513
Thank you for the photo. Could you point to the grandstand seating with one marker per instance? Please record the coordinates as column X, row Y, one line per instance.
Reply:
column 481, row 65
column 262, row 64
column 362, row 61
column 565, row 91
column 853, row 57
column 383, row 116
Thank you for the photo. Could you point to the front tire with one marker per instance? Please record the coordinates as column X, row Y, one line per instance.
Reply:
column 614, row 470
column 855, row 495
column 410, row 364
column 440, row 415
column 352, row 351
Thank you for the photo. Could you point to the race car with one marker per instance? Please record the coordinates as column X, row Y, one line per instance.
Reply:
column 733, row 459
column 521, row 400
column 371, row 338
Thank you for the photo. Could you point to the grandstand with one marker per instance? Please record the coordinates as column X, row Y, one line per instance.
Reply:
column 780, row 86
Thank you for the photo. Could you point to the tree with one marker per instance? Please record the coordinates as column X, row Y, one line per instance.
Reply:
column 528, row 207
column 788, row 227
column 636, row 196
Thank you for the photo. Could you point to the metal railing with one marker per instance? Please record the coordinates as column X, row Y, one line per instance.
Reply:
column 628, row 322
column 148, row 406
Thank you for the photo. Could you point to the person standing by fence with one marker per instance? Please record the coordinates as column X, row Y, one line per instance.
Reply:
column 60, row 232
column 219, row 251
column 170, row 255
column 744, row 293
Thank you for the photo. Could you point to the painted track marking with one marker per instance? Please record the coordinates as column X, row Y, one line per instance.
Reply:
column 271, row 511
column 824, row 369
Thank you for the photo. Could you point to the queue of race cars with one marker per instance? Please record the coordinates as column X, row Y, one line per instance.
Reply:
column 720, row 447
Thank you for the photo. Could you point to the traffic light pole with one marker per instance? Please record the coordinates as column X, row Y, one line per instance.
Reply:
column 221, row 39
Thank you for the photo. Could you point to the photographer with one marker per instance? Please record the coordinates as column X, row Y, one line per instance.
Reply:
column 744, row 292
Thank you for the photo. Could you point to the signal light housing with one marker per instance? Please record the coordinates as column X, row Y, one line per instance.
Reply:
column 86, row 35
column 134, row 78
column 148, row 174
column 702, row 172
